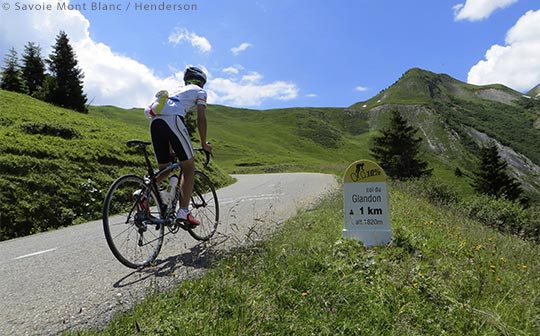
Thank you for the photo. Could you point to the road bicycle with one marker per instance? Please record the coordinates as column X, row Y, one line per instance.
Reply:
column 136, row 217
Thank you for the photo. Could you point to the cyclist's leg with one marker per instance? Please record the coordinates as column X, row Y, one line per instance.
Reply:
column 161, row 135
column 187, row 182
column 181, row 144
column 186, row 185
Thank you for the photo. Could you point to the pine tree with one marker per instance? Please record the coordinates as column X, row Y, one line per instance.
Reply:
column 11, row 73
column 491, row 177
column 66, row 90
column 397, row 150
column 33, row 69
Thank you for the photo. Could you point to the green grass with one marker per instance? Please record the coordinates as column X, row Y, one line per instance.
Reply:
column 280, row 140
column 442, row 274
column 299, row 139
column 56, row 164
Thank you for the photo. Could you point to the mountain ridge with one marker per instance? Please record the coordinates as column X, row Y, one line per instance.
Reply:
column 534, row 92
column 456, row 118
column 56, row 164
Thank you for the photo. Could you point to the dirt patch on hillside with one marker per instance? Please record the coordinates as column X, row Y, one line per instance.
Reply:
column 497, row 95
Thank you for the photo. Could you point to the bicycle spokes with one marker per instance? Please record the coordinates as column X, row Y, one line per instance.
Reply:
column 133, row 235
column 204, row 206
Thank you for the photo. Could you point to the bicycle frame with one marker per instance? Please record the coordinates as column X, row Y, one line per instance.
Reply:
column 151, row 177
column 139, row 210
column 150, row 180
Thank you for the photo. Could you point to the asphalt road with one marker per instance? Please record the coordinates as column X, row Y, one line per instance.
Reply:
column 68, row 279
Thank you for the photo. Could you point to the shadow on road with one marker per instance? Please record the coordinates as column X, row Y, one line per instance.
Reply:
column 198, row 258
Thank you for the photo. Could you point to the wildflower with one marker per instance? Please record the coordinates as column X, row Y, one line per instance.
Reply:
column 415, row 284
column 420, row 274
column 493, row 268
column 499, row 280
column 479, row 247
column 503, row 259
column 523, row 267
column 305, row 293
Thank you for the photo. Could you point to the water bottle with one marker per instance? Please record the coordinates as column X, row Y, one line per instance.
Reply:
column 171, row 188
column 167, row 195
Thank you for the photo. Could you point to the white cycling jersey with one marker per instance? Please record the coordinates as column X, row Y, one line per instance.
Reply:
column 178, row 103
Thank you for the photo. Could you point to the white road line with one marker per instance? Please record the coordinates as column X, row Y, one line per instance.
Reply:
column 250, row 198
column 36, row 253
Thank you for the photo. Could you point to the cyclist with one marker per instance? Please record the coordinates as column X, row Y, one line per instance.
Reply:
column 168, row 132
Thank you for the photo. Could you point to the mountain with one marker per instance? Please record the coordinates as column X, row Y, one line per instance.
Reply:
column 534, row 92
column 56, row 164
column 455, row 118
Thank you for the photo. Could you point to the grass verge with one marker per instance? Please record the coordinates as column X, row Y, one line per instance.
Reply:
column 443, row 274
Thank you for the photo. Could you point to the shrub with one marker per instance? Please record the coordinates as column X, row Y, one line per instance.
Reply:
column 431, row 188
column 47, row 129
column 319, row 132
column 499, row 213
column 531, row 229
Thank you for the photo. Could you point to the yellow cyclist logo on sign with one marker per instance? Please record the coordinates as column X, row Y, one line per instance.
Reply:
column 364, row 171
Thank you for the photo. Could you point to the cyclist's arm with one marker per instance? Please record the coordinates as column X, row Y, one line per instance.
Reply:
column 202, row 126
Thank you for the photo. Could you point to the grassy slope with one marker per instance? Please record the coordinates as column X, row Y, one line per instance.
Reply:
column 443, row 274
column 283, row 140
column 246, row 141
column 56, row 164
column 297, row 139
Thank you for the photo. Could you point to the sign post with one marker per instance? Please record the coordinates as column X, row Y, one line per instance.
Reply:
column 366, row 210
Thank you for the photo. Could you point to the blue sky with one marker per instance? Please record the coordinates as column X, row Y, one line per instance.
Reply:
column 282, row 53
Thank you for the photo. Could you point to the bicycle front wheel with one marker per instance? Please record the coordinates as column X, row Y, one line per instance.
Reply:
column 128, row 210
column 205, row 207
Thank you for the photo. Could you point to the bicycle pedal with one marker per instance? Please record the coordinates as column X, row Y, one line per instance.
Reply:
column 183, row 224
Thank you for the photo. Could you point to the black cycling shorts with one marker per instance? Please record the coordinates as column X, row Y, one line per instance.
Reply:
column 171, row 130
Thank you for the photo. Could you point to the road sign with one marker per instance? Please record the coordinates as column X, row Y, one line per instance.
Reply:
column 366, row 204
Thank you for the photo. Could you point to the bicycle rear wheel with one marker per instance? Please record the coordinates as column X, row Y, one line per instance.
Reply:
column 205, row 207
column 127, row 212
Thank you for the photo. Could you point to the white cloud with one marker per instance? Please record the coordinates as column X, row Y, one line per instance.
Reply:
column 115, row 79
column 41, row 27
column 475, row 10
column 247, row 88
column 233, row 70
column 252, row 77
column 361, row 88
column 199, row 42
column 240, row 48
column 516, row 64
column 248, row 91
column 110, row 78
column 311, row 95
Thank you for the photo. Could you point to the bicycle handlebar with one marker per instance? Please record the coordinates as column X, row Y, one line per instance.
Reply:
column 207, row 153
